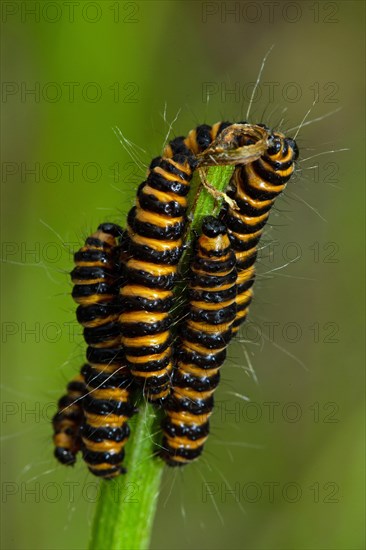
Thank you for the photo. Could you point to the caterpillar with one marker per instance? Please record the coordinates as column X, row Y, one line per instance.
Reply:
column 154, row 245
column 67, row 421
column 254, row 187
column 202, row 346
column 107, row 404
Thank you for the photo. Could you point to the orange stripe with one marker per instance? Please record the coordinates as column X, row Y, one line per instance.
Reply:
column 149, row 340
column 104, row 446
column 185, row 418
column 145, row 292
column 155, row 243
column 170, row 177
column 110, row 420
column 178, row 442
column 155, row 219
column 211, row 307
column 142, row 317
column 164, row 197
column 154, row 269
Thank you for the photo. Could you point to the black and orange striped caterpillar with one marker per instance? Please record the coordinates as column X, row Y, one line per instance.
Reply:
column 202, row 347
column 107, row 403
column 254, row 188
column 153, row 244
column 124, row 284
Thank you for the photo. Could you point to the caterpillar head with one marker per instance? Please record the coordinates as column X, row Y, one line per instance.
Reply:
column 282, row 147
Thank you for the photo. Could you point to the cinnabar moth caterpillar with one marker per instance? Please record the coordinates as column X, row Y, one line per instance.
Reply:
column 202, row 346
column 107, row 404
column 255, row 187
column 154, row 245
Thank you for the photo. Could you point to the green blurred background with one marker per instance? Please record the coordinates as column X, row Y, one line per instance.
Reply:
column 293, row 454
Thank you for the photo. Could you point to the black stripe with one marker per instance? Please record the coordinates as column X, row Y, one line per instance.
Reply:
column 211, row 281
column 105, row 407
column 212, row 266
column 92, row 255
column 111, row 229
column 157, row 181
column 76, row 386
column 164, row 282
column 151, row 366
column 89, row 273
column 242, row 246
column 237, row 225
column 138, row 303
column 269, row 176
column 213, row 317
column 209, row 340
column 248, row 210
column 103, row 333
column 179, row 147
column 102, row 433
column 146, row 350
column 248, row 262
column 94, row 312
column 244, row 305
column 94, row 242
column 168, row 166
column 246, row 285
column 211, row 297
column 195, row 406
column 252, row 192
column 145, row 329
column 146, row 253
column 181, row 430
column 203, row 136
column 153, row 204
column 104, row 356
column 204, row 361
column 192, row 382
column 106, row 380
column 147, row 229
column 93, row 458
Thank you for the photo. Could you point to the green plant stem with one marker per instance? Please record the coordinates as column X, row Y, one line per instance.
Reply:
column 201, row 202
column 126, row 506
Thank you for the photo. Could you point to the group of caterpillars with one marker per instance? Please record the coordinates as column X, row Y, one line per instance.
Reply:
column 124, row 282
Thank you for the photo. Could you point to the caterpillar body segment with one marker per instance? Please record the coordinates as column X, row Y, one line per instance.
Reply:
column 67, row 421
